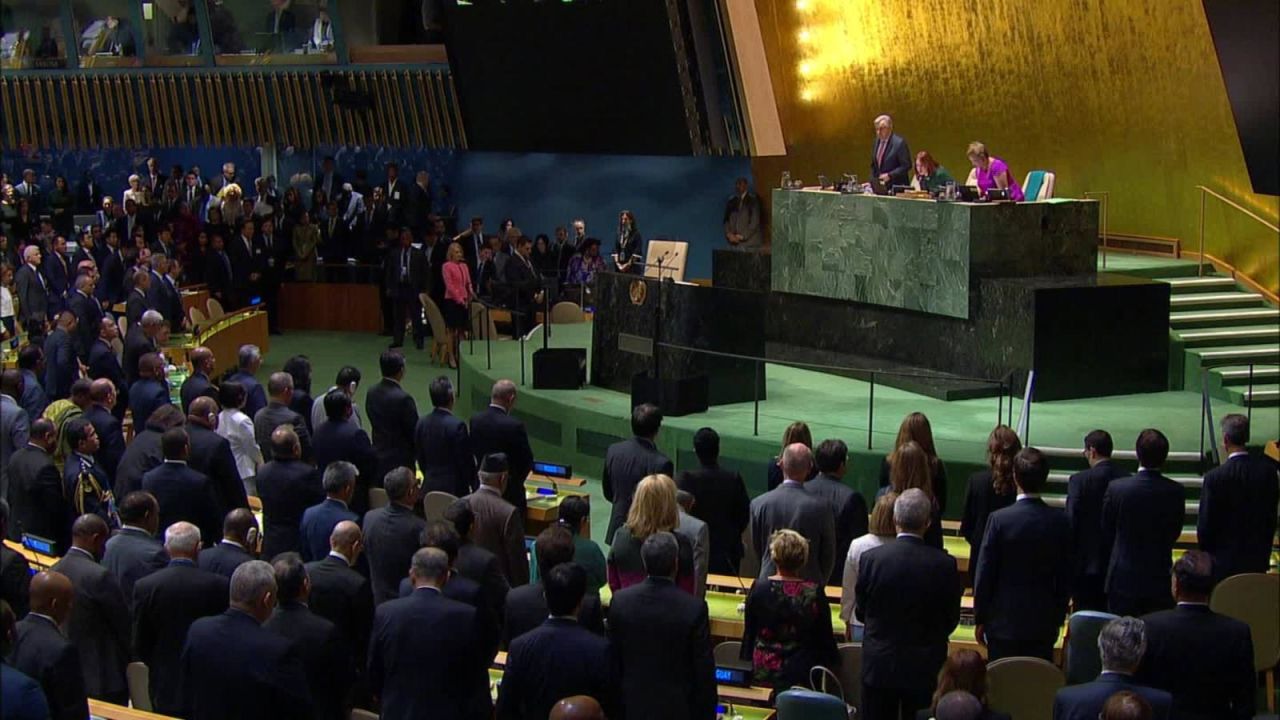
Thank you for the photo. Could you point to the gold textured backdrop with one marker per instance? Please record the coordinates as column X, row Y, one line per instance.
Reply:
column 1124, row 96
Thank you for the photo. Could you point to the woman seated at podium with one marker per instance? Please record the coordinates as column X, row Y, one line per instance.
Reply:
column 993, row 172
column 628, row 251
column 930, row 176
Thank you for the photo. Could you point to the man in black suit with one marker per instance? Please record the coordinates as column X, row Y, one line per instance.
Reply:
column 99, row 623
column 57, row 270
column 161, row 296
column 526, row 605
column 1202, row 658
column 110, row 287
column 61, row 367
column 287, row 487
column 789, row 507
column 248, row 361
column 476, row 563
column 1121, row 645
column 183, row 493
column 149, row 391
column 211, row 454
column 440, row 534
column 720, row 500
column 36, row 497
column 1237, row 520
column 890, row 156
column 524, row 286
column 848, row 508
column 247, row 264
column 197, row 384
column 232, row 667
column 339, row 440
column 104, row 365
column 219, row 274
column 1141, row 520
column 405, row 275
column 43, row 653
column 31, row 285
column 88, row 313
column 908, row 594
column 274, row 251
column 138, row 301
column 111, row 447
column 495, row 430
column 1023, row 579
column 558, row 659
column 393, row 416
column 443, row 445
column 1085, row 491
column 662, row 641
column 423, row 652
column 238, row 545
column 340, row 594
column 133, row 552
column 15, row 571
column 317, row 641
column 144, row 452
column 319, row 520
column 139, row 341
column 278, row 413
column 472, row 241
column 392, row 534
column 628, row 462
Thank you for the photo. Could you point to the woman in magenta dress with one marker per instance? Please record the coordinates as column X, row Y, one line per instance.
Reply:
column 993, row 172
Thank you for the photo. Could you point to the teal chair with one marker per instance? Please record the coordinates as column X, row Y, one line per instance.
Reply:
column 1083, row 659
column 1038, row 185
column 810, row 705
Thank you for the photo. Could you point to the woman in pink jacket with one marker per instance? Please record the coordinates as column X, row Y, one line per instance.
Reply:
column 457, row 298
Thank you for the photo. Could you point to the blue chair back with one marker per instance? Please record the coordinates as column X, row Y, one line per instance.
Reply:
column 1083, row 661
column 810, row 705
column 1035, row 179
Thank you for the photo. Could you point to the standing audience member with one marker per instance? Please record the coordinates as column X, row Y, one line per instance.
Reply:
column 248, row 361
column 139, row 341
column 337, row 439
column 495, row 430
column 575, row 516
column 238, row 545
column 789, row 507
column 526, row 605
column 628, row 462
column 881, row 531
column 391, row 534
column 1085, row 492
column 318, row 521
column 1121, row 644
column 315, row 640
column 498, row 527
column 104, row 365
column 720, row 500
column 848, row 508
column 277, row 413
column 145, row 451
column 31, row 365
column 405, row 276
column 911, row 469
column 963, row 673
column 654, row 509
column 40, row 650
column 443, row 445
column 347, row 381
column 149, row 390
column 134, row 553
column 916, row 428
column 111, row 446
column 237, row 428
column 20, row 695
column 393, row 415
column 474, row 562
column 340, row 594
column 1237, row 519
column 287, row 487
column 211, row 455
column 787, row 627
column 698, row 535
column 61, row 366
column 183, row 493
column 15, row 425
column 36, row 494
column 989, row 490
column 15, row 571
column 198, row 384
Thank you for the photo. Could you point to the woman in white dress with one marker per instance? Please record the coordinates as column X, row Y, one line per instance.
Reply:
column 880, row 531
column 237, row 428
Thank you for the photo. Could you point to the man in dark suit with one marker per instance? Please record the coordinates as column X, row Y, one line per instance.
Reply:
column 35, row 489
column 526, row 605
column 103, row 365
column 1141, row 520
column 499, row 527
column 317, row 641
column 85, row 484
column 133, row 552
column 443, row 445
column 274, row 251
column 248, row 361
column 247, row 263
column 111, row 268
column 495, row 430
column 440, row 534
column 848, row 508
column 197, row 384
column 31, row 366
column 31, row 285
column 789, row 506
column 99, row 623
column 1237, row 520
column 183, row 493
column 393, row 415
column 405, row 275
column 139, row 341
column 318, row 521
column 472, row 241
column 560, row 658
column 61, row 367
column 1023, row 579
column 88, row 313
column 57, row 270
column 211, row 454
column 890, row 156
column 238, row 544
column 160, row 296
column 15, row 571
column 1202, row 658
column 328, row 180
column 340, row 594
column 144, row 452
column 908, row 594
column 1085, row 491
column 662, row 641
column 478, row 564
column 232, row 667
column 138, row 301
column 524, row 286
column 392, row 534
column 219, row 274
column 277, row 413
column 287, row 487
column 628, row 462
column 149, row 391
column 1121, row 645
column 111, row 446
column 339, row 440
column 720, row 500
column 42, row 652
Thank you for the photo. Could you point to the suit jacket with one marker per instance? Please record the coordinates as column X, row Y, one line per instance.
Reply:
column 526, row 609
column 1023, row 580
column 896, row 160
column 699, row 536
column 558, row 659
column 626, row 463
column 318, row 522
column 908, row 595
column 325, row 656
column 499, row 528
column 146, row 396
column 99, row 624
column 255, row 396
column 342, row 596
column 222, row 558
column 103, row 364
column 662, row 650
column 197, row 385
column 111, row 283
column 211, row 454
column 1203, row 659
column 233, row 667
column 137, row 303
column 61, row 368
column 218, row 274
column 345, row 441
column 1141, row 520
column 405, row 280
column 721, row 501
column 493, row 430
column 443, row 446
column 33, row 399
column 185, row 494
column 139, row 457
column 165, row 604
column 393, row 415
column 36, row 500
column 89, row 316
column 15, row 432
column 391, row 537
column 287, row 488
column 1085, row 491
column 40, row 650
column 849, row 511
column 33, row 292
column 423, row 659
column 273, row 416
column 132, row 555
column 981, row 500
column 57, row 271
column 136, row 344
column 111, row 445
column 789, row 506
column 15, row 581
column 85, row 499
column 1237, row 520
column 481, row 566
column 1084, row 702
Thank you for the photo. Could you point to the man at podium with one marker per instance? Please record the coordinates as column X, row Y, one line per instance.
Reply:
column 890, row 156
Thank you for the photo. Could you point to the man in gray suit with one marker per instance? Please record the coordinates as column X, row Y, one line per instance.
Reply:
column 277, row 413
column 499, row 527
column 699, row 534
column 33, row 289
column 14, row 423
column 628, row 462
column 789, row 507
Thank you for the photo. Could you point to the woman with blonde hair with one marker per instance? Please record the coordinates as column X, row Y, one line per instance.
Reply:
column 787, row 628
column 992, row 172
column 653, row 509
column 915, row 427
column 991, row 489
column 911, row 469
column 796, row 432
column 458, row 294
column 880, row 530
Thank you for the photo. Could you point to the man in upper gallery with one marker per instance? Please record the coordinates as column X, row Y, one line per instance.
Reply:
column 890, row 156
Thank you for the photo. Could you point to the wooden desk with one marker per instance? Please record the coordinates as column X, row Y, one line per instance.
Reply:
column 544, row 510
column 35, row 559
column 100, row 709
column 834, row 593
column 346, row 307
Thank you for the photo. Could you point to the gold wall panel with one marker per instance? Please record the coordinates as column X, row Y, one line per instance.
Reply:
column 1118, row 95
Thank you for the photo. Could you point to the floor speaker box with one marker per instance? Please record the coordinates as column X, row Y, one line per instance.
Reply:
column 559, row 368
column 676, row 396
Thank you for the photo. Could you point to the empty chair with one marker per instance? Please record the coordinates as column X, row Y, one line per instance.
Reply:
column 1252, row 598
column 378, row 498
column 810, row 705
column 198, row 319
column 1083, row 661
column 667, row 257
column 851, row 672
column 434, row 504
column 482, row 323
column 439, row 332
column 1023, row 687
column 1038, row 185
column 123, row 323
column 216, row 312
column 727, row 655
column 139, row 686
column 567, row 313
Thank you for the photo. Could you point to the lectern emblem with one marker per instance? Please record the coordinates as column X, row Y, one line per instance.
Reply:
column 638, row 292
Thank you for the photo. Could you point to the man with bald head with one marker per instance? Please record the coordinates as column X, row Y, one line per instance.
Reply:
column 496, row 430
column 35, row 489
column 277, row 413
column 287, row 487
column 41, row 651
column 150, row 390
column 339, row 593
column 87, row 311
column 578, row 707
column 99, row 624
column 198, row 384
column 103, row 363
column 789, row 507
column 211, row 454
column 239, row 544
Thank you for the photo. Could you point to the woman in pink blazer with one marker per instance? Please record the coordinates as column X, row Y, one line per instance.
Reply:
column 457, row 298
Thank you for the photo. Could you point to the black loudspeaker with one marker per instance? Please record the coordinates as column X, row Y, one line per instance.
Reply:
column 559, row 368
column 676, row 397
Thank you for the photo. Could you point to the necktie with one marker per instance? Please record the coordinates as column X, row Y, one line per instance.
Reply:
column 880, row 153
column 404, row 264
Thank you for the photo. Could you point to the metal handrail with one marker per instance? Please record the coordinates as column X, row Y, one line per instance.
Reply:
column 1203, row 191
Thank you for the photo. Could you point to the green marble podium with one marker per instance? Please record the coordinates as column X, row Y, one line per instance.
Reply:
column 922, row 255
